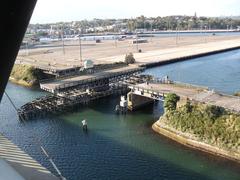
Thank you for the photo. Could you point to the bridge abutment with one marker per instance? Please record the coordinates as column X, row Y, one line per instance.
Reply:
column 137, row 101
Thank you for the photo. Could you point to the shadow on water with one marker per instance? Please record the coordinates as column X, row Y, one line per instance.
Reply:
column 92, row 156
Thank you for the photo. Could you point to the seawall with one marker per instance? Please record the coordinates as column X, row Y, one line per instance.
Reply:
column 187, row 141
column 185, row 58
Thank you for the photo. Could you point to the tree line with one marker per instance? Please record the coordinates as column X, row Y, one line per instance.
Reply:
column 148, row 23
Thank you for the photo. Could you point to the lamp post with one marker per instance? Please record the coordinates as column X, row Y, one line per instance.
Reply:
column 177, row 30
column 80, row 47
column 27, row 52
column 151, row 30
column 177, row 35
column 136, row 36
column 63, row 46
column 205, row 34
column 115, row 37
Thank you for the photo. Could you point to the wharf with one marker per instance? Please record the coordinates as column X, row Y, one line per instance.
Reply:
column 179, row 53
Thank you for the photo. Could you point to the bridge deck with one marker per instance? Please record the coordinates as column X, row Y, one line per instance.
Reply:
column 193, row 93
column 73, row 81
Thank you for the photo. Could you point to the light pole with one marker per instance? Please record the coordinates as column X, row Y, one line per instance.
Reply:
column 136, row 36
column 205, row 34
column 115, row 40
column 80, row 47
column 177, row 24
column 136, row 40
column 27, row 52
column 63, row 46
column 151, row 30
column 177, row 33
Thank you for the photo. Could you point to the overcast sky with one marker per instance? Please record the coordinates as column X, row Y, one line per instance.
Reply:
column 70, row 10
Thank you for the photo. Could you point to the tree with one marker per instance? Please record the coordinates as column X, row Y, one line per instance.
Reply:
column 214, row 112
column 188, row 107
column 129, row 58
column 170, row 101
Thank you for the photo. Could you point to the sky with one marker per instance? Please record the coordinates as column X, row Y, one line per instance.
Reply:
column 50, row 11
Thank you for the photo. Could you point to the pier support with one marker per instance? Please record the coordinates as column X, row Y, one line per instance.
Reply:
column 135, row 101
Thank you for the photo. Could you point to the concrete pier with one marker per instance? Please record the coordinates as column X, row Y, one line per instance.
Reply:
column 136, row 101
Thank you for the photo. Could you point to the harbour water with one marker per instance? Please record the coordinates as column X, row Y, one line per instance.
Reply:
column 123, row 146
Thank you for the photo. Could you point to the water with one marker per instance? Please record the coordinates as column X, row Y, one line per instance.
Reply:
column 118, row 146
column 220, row 72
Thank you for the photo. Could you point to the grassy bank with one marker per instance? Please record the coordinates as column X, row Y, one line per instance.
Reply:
column 237, row 94
column 206, row 124
column 25, row 75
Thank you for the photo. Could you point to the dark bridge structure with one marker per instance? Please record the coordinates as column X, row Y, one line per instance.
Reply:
column 68, row 93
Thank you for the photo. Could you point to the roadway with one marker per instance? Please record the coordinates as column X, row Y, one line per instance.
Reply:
column 194, row 93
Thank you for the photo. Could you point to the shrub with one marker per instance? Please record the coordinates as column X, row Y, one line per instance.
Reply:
column 170, row 101
column 214, row 112
column 129, row 58
column 237, row 94
column 188, row 107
